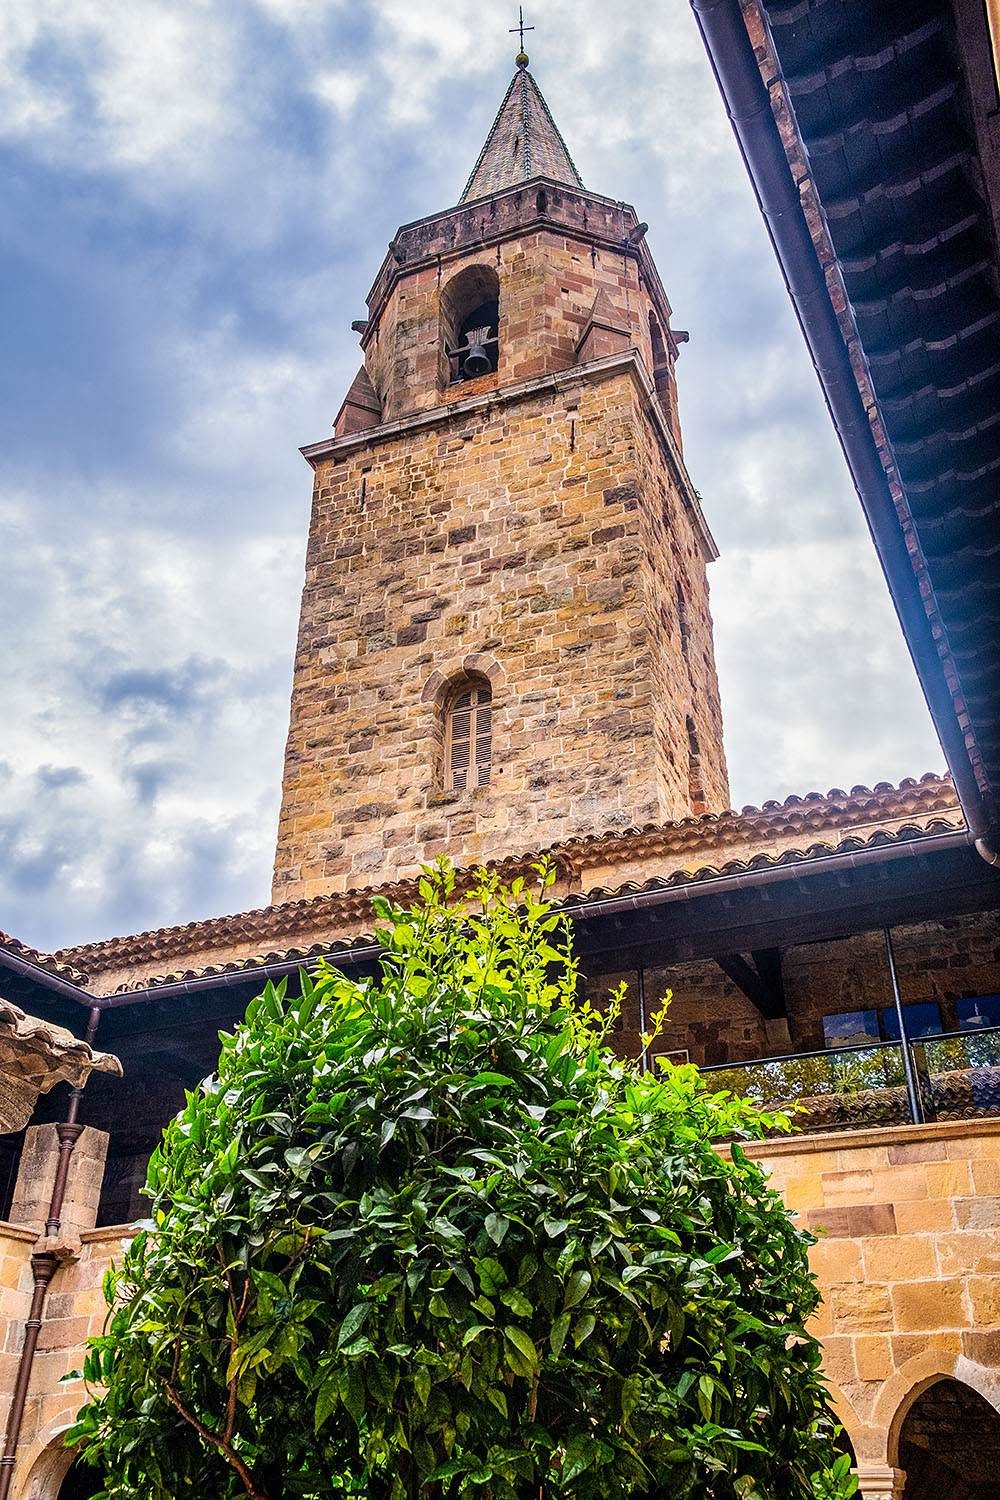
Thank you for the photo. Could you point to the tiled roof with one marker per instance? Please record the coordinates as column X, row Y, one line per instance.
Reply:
column 51, row 963
column 48, row 1053
column 404, row 891
column 691, row 842
column 524, row 142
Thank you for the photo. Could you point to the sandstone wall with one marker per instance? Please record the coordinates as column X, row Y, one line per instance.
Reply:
column 522, row 543
column 908, row 1261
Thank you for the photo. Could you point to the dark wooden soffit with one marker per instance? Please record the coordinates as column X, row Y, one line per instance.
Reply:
column 871, row 134
column 894, row 107
column 759, row 976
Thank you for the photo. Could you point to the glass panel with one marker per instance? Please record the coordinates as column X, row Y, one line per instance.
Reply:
column 837, row 1089
column 982, row 1010
column 964, row 1073
column 850, row 1029
column 922, row 1019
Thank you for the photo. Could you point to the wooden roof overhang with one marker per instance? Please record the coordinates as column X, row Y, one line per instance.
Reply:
column 871, row 133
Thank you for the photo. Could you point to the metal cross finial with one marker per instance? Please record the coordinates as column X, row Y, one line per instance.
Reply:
column 520, row 27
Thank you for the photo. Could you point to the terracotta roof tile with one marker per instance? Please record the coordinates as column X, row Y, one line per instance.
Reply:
column 52, row 963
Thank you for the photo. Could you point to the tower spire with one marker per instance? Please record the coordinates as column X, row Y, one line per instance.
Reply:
column 524, row 141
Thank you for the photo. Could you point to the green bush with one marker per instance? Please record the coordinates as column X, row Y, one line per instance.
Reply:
column 427, row 1236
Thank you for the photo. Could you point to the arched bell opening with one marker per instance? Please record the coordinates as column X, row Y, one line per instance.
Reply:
column 949, row 1445
column 470, row 324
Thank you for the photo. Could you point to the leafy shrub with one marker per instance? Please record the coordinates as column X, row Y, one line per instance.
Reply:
column 427, row 1236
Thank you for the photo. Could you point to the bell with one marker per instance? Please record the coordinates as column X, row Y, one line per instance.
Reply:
column 477, row 361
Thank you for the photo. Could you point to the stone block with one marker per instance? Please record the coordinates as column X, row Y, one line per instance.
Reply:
column 897, row 1257
column 861, row 1308
column 948, row 1179
column 980, row 1213
column 984, row 1295
column 835, row 1261
column 914, row 1151
column 924, row 1216
column 982, row 1346
column 838, row 1359
column 873, row 1356
column 900, row 1184
column 922, row 1306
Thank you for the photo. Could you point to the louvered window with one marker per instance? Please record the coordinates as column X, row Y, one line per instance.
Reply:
column 467, row 739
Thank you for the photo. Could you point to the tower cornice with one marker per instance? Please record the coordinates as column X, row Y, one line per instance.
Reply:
column 483, row 224
column 628, row 361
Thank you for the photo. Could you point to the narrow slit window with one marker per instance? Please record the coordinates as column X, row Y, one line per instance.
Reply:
column 468, row 739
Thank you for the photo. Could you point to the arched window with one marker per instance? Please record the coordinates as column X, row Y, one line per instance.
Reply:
column 470, row 323
column 468, row 733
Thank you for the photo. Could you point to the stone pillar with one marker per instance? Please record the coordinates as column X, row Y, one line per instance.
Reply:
column 37, row 1174
column 880, row 1482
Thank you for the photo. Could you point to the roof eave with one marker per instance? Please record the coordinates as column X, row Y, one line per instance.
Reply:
column 748, row 104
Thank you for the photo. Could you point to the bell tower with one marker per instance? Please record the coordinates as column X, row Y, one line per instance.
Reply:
column 505, row 638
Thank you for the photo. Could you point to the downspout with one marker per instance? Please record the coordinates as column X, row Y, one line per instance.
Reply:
column 44, row 1264
column 748, row 105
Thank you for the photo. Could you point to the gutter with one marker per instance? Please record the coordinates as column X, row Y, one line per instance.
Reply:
column 748, row 105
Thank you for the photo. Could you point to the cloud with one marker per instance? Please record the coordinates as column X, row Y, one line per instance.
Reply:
column 199, row 197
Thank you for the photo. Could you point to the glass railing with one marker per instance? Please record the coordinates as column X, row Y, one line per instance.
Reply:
column 957, row 1076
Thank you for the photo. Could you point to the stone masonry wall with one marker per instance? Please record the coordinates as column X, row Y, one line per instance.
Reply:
column 513, row 540
column 908, row 1261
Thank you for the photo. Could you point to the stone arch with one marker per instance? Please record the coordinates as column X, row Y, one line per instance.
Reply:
column 845, row 1414
column 39, row 1474
column 948, row 1443
column 442, row 680
column 916, row 1376
column 470, row 299
column 439, row 691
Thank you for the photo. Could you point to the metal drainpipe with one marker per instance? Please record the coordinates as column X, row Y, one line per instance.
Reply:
column 916, row 1103
column 44, row 1265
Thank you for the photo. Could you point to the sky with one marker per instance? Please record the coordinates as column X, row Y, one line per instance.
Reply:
column 198, row 194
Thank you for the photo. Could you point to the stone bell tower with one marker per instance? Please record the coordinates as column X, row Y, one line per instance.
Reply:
column 505, row 637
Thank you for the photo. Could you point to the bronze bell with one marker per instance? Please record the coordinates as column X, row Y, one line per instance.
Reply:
column 477, row 361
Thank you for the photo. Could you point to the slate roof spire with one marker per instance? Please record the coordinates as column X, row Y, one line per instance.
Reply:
column 523, row 143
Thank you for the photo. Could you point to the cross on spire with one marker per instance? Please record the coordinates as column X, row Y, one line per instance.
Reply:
column 521, row 29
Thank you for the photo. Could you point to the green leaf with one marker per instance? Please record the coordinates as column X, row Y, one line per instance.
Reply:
column 422, row 1384
column 577, row 1287
column 584, row 1328
column 496, row 1227
column 353, row 1323
column 557, row 1337
column 522, row 1355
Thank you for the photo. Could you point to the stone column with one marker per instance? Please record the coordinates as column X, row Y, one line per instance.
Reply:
column 880, row 1482
column 37, row 1172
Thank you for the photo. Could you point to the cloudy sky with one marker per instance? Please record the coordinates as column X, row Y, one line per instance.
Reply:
column 197, row 196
